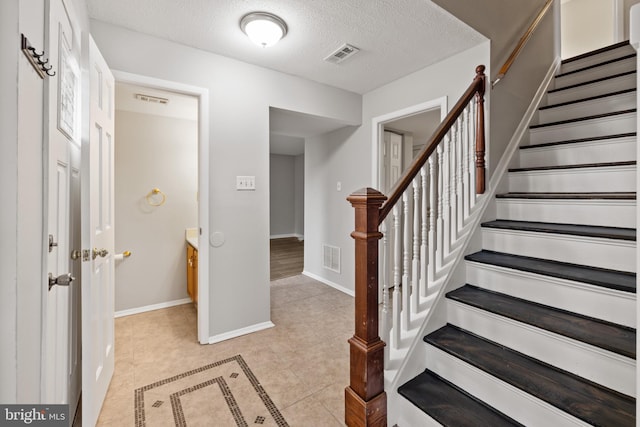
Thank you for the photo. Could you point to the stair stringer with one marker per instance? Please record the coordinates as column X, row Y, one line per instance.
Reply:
column 415, row 353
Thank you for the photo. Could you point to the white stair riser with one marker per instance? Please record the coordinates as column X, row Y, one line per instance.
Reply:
column 617, row 67
column 613, row 125
column 613, row 213
column 576, row 110
column 597, row 58
column 507, row 399
column 604, row 150
column 615, row 84
column 589, row 300
column 598, row 179
column 604, row 367
column 596, row 252
column 410, row 415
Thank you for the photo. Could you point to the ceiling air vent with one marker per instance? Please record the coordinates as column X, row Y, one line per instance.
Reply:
column 152, row 99
column 345, row 51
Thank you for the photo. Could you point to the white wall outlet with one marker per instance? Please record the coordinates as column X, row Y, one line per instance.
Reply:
column 339, row 186
column 245, row 183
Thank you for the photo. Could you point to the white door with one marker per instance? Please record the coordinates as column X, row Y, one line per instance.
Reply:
column 392, row 161
column 61, row 341
column 97, row 240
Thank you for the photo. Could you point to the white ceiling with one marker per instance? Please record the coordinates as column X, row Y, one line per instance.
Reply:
column 395, row 37
column 288, row 129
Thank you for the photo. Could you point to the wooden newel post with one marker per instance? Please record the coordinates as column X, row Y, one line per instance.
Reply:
column 365, row 398
column 480, row 145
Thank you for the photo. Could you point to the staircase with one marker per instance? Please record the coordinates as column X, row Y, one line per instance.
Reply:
column 543, row 333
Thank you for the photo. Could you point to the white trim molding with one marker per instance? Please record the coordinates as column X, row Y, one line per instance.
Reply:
column 284, row 236
column 377, row 131
column 144, row 309
column 341, row 288
column 203, row 182
column 239, row 332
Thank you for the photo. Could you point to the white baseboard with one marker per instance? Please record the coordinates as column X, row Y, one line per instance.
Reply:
column 284, row 236
column 151, row 307
column 239, row 332
column 341, row 288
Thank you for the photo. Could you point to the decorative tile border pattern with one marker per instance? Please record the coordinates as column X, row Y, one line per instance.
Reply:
column 176, row 404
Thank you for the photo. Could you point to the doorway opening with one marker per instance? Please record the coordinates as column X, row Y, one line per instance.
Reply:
column 289, row 131
column 286, row 200
column 162, row 187
column 399, row 136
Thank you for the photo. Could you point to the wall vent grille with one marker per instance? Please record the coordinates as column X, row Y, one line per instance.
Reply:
column 152, row 99
column 342, row 53
column 331, row 258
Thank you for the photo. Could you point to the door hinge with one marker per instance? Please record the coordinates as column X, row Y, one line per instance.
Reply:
column 85, row 254
column 52, row 244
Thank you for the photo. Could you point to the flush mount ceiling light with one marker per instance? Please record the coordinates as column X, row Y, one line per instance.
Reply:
column 262, row 28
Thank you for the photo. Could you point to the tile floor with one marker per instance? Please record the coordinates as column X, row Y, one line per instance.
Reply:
column 302, row 363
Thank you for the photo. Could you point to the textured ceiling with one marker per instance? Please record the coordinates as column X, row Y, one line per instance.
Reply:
column 395, row 37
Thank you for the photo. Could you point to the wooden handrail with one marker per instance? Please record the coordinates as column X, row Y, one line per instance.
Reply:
column 365, row 398
column 476, row 89
column 523, row 41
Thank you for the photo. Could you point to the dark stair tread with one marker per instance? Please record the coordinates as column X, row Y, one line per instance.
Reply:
column 599, row 333
column 617, row 233
column 591, row 402
column 449, row 405
column 590, row 98
column 613, row 46
column 601, row 79
column 599, row 64
column 621, row 195
column 577, row 166
column 578, row 140
column 611, row 279
column 585, row 118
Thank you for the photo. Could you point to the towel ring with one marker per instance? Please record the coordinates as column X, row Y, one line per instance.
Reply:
column 152, row 201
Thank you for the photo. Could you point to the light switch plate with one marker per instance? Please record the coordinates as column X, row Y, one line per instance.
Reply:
column 245, row 183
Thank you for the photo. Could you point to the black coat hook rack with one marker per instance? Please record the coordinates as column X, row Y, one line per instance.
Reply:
column 36, row 59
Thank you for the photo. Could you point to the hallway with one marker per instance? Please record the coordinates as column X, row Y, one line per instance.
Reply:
column 302, row 364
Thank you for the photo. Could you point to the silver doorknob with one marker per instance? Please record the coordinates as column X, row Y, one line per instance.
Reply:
column 61, row 280
column 100, row 252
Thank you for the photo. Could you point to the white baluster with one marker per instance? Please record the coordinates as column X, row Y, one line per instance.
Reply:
column 453, row 176
column 459, row 175
column 415, row 265
column 406, row 280
column 424, row 232
column 433, row 190
column 446, row 199
column 472, row 155
column 465, row 162
column 385, row 313
column 396, row 301
column 439, row 220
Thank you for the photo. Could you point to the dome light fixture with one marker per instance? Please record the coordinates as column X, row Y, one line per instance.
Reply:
column 263, row 28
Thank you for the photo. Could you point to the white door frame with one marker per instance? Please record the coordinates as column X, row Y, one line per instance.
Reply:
column 203, row 182
column 377, row 132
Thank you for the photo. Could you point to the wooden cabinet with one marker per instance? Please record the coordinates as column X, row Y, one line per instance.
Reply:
column 192, row 273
